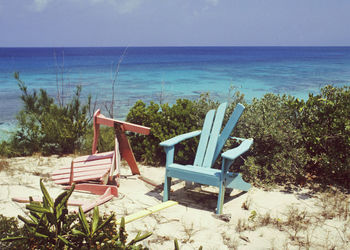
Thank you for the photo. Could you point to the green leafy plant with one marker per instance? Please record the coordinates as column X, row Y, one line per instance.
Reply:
column 323, row 121
column 165, row 122
column 47, row 222
column 120, row 240
column 45, row 127
column 9, row 227
column 49, row 226
column 278, row 154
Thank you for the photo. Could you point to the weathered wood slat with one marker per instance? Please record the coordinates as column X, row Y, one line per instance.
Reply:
column 82, row 173
column 203, row 141
column 97, row 189
column 230, row 125
column 125, row 125
column 80, row 178
column 175, row 140
column 100, row 200
column 147, row 211
column 94, row 157
column 81, row 167
column 214, row 135
column 206, row 176
column 71, row 202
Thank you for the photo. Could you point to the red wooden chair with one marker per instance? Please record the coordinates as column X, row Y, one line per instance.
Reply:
column 97, row 173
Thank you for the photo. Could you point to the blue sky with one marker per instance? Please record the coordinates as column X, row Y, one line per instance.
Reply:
column 62, row 23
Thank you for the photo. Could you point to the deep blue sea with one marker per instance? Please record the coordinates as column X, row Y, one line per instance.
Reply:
column 167, row 73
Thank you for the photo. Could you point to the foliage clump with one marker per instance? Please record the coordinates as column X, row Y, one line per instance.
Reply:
column 324, row 123
column 49, row 226
column 46, row 127
column 278, row 154
column 165, row 122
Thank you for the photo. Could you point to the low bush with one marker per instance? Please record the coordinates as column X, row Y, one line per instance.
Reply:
column 46, row 127
column 165, row 122
column 323, row 121
column 278, row 154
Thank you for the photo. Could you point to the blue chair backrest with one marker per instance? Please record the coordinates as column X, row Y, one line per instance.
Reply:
column 211, row 142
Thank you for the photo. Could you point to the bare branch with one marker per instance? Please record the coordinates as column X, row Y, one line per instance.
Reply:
column 114, row 81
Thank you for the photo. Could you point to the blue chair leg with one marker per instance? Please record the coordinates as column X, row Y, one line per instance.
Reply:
column 167, row 184
column 221, row 198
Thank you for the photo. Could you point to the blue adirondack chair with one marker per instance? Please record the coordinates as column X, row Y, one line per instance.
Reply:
column 210, row 145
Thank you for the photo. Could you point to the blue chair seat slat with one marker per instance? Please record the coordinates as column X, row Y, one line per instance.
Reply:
column 207, row 176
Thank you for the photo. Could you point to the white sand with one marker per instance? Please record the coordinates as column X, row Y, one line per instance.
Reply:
column 192, row 221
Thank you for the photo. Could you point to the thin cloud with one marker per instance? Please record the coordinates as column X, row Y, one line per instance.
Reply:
column 40, row 5
column 213, row 2
column 121, row 6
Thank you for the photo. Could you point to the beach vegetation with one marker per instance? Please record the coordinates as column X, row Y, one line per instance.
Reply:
column 46, row 127
column 295, row 141
column 3, row 164
column 278, row 155
column 323, row 121
column 50, row 226
column 301, row 226
column 165, row 122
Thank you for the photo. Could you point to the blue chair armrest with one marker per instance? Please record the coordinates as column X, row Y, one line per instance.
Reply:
column 175, row 140
column 232, row 154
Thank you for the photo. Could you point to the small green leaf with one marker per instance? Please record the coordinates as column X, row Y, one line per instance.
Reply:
column 176, row 245
column 78, row 232
column 36, row 208
column 60, row 198
column 14, row 238
column 83, row 221
column 95, row 219
column 68, row 194
column 65, row 241
column 47, row 196
column 41, row 235
column 26, row 221
column 106, row 222
column 140, row 237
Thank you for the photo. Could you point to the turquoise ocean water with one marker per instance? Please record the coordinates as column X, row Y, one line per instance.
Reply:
column 168, row 73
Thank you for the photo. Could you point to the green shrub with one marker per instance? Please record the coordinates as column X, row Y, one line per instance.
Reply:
column 278, row 154
column 324, row 122
column 46, row 127
column 165, row 122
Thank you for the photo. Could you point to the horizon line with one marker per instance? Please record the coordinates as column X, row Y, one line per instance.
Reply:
column 178, row 46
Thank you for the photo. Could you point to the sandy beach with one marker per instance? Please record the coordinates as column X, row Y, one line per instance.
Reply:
column 258, row 219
